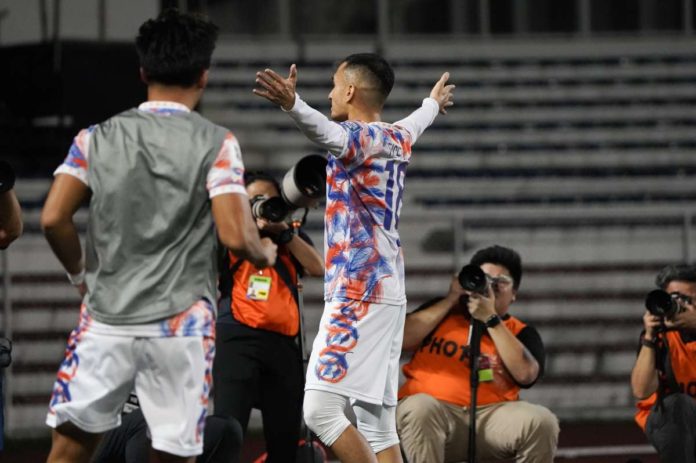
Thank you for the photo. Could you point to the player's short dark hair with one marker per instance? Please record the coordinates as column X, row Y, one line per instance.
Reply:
column 176, row 48
column 501, row 255
column 672, row 273
column 378, row 69
column 251, row 176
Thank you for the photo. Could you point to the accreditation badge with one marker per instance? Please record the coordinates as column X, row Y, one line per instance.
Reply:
column 259, row 288
column 485, row 372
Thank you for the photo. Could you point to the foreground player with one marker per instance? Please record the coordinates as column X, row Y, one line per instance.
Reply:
column 153, row 176
column 355, row 357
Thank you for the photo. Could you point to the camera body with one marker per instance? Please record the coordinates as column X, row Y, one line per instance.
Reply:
column 663, row 304
column 302, row 187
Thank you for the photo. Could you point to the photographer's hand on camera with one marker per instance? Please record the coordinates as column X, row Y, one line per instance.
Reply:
column 651, row 324
column 455, row 293
column 482, row 307
column 684, row 320
column 271, row 228
column 270, row 251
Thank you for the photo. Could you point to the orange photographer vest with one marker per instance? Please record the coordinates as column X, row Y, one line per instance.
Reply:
column 279, row 311
column 440, row 367
column 682, row 357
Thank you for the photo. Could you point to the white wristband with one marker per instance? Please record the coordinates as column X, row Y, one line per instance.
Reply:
column 76, row 279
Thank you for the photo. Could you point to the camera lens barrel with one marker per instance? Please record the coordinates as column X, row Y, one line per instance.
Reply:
column 272, row 209
column 472, row 278
column 305, row 183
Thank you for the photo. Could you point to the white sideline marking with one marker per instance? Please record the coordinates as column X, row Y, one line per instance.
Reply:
column 625, row 450
column 609, row 450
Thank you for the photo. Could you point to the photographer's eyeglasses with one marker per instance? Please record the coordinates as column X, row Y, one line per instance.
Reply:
column 683, row 298
column 500, row 282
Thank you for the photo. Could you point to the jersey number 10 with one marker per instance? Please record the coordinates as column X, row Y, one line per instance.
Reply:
column 397, row 176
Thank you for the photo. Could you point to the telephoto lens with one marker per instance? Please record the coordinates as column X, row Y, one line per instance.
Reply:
column 661, row 304
column 472, row 278
column 272, row 209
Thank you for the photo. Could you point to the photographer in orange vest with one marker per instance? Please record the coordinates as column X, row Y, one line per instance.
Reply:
column 433, row 410
column 664, row 375
column 258, row 362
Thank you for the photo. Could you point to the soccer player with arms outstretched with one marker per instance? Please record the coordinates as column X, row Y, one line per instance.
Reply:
column 355, row 357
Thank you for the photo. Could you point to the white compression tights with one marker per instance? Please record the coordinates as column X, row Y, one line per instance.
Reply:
column 324, row 413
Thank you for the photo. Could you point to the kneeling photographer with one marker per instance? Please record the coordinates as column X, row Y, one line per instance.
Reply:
column 258, row 363
column 664, row 375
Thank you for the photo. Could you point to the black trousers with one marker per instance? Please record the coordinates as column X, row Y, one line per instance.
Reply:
column 260, row 369
column 222, row 441
column 672, row 429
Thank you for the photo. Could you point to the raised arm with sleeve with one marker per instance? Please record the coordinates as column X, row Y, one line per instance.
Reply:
column 318, row 128
column 334, row 137
column 420, row 119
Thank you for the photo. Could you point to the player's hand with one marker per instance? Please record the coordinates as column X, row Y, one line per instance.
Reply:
column 651, row 323
column 276, row 89
column 480, row 306
column 270, row 250
column 442, row 93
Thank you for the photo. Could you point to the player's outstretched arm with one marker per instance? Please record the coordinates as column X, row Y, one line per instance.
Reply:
column 317, row 127
column 238, row 232
column 440, row 99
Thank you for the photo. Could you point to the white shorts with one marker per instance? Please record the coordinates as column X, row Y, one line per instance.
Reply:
column 356, row 351
column 170, row 375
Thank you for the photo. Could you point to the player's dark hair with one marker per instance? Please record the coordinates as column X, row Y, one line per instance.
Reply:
column 672, row 273
column 175, row 48
column 252, row 176
column 377, row 68
column 500, row 255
